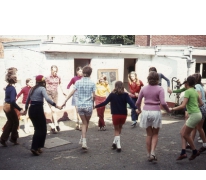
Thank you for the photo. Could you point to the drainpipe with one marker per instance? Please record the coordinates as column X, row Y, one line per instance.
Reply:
column 150, row 40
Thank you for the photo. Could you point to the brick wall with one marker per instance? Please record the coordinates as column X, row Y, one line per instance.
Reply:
column 188, row 40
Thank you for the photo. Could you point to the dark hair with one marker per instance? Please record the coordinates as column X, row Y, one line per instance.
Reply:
column 152, row 69
column 119, row 88
column 38, row 84
column 11, row 77
column 191, row 81
column 153, row 78
column 54, row 66
column 87, row 71
column 27, row 80
column 78, row 68
column 198, row 78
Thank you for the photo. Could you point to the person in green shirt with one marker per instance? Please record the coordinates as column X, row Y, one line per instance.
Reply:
column 192, row 102
column 199, row 127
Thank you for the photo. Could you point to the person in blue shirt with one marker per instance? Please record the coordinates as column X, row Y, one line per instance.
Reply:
column 11, row 109
column 85, row 101
column 161, row 76
column 118, row 102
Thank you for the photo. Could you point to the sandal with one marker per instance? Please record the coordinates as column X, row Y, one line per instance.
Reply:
column 152, row 158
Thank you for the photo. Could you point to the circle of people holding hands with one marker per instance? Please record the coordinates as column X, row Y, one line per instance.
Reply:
column 87, row 96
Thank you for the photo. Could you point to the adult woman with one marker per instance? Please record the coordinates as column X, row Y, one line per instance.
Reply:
column 134, row 87
column 74, row 97
column 11, row 109
column 151, row 118
column 118, row 101
column 102, row 87
column 85, row 101
column 25, row 91
column 191, row 100
column 36, row 113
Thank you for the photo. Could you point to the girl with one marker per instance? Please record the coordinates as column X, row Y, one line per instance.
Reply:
column 134, row 88
column 74, row 97
column 102, row 87
column 25, row 91
column 118, row 101
column 11, row 109
column 36, row 113
column 151, row 118
column 191, row 100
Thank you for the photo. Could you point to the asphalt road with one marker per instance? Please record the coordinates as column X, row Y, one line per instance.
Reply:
column 100, row 156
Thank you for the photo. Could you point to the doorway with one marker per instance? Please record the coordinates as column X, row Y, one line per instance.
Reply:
column 129, row 65
column 80, row 62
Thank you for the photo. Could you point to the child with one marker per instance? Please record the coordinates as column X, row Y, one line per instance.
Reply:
column 118, row 101
column 25, row 91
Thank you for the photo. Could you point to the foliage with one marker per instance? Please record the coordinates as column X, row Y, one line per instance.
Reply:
column 112, row 39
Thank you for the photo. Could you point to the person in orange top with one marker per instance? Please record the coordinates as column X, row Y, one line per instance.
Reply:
column 134, row 88
column 102, row 87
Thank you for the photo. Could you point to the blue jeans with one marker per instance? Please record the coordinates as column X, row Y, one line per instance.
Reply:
column 134, row 115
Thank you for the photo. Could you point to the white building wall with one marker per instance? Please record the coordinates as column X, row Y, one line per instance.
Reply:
column 169, row 66
column 107, row 63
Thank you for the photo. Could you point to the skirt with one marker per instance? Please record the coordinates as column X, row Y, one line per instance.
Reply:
column 151, row 118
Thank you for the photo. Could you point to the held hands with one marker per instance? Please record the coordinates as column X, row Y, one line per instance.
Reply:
column 137, row 111
column 59, row 107
column 169, row 90
column 22, row 112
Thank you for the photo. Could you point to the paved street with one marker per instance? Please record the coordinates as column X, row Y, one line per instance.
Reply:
column 100, row 156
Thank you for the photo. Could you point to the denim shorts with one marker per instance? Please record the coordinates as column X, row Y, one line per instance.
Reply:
column 85, row 111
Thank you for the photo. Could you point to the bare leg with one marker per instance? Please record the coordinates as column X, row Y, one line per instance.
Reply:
column 187, row 136
column 201, row 131
column 85, row 124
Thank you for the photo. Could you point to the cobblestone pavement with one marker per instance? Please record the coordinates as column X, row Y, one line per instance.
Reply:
column 100, row 156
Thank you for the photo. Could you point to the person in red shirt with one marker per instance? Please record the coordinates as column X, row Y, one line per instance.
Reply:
column 75, row 96
column 25, row 91
column 52, row 83
column 134, row 88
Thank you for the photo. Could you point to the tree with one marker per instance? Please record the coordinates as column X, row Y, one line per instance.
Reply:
column 112, row 39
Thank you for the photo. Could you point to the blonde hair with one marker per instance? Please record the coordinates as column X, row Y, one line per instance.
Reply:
column 136, row 79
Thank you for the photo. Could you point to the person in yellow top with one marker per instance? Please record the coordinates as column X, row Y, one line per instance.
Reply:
column 102, row 87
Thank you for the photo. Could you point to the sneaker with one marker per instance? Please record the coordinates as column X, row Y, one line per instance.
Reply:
column 80, row 141
column 193, row 156
column 202, row 149
column 58, row 128
column 134, row 124
column 200, row 141
column 84, row 145
column 52, row 131
column 199, row 138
